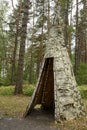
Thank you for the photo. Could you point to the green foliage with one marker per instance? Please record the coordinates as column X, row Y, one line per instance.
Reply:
column 62, row 3
column 5, row 81
column 83, row 91
column 82, row 74
column 6, row 91
column 41, row 20
column 28, row 90
column 71, row 29
column 73, row 59
column 9, row 90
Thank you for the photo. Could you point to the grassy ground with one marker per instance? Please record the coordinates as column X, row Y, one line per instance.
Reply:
column 15, row 106
column 9, row 90
column 78, row 124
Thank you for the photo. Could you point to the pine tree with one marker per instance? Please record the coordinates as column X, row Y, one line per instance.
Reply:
column 76, row 42
column 19, row 82
column 17, row 15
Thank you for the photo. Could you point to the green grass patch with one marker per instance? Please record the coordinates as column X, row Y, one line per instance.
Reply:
column 81, row 76
column 83, row 91
column 13, row 106
column 9, row 90
column 28, row 90
column 6, row 91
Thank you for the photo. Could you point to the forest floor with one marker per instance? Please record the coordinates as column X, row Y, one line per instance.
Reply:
column 12, row 109
column 40, row 121
column 36, row 121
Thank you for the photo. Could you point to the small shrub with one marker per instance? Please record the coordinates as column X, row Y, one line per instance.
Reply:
column 6, row 91
column 83, row 91
column 9, row 90
column 28, row 90
column 82, row 74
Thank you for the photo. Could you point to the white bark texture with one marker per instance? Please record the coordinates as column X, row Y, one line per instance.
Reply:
column 68, row 104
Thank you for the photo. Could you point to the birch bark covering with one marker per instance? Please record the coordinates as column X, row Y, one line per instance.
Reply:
column 68, row 104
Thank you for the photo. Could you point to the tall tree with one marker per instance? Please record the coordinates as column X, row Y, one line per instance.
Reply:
column 48, row 19
column 19, row 82
column 4, row 44
column 76, row 42
column 80, row 39
column 31, row 51
column 17, row 15
column 84, row 32
column 70, row 31
column 40, row 52
column 66, row 12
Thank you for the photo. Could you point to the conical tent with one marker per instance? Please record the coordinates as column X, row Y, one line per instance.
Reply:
column 56, row 87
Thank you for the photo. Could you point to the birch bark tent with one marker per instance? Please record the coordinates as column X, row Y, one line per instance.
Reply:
column 56, row 86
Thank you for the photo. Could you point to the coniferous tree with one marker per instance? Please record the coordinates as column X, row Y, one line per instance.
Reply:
column 17, row 15
column 80, row 43
column 31, row 50
column 83, row 36
column 19, row 82
column 76, row 41
column 70, row 31
column 4, row 41
column 40, row 54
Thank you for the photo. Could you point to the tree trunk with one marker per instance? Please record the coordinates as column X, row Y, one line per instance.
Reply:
column 40, row 54
column 66, row 22
column 76, row 42
column 48, row 20
column 16, row 42
column 85, row 29
column 70, row 33
column 19, row 82
column 31, row 52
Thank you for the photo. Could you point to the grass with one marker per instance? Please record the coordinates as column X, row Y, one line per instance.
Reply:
column 28, row 90
column 83, row 90
column 9, row 90
column 15, row 106
column 77, row 124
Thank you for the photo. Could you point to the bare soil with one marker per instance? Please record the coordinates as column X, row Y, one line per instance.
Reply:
column 37, row 120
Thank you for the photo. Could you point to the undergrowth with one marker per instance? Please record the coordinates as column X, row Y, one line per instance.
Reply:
column 28, row 90
column 9, row 90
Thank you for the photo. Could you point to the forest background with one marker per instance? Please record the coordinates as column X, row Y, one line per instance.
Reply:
column 24, row 29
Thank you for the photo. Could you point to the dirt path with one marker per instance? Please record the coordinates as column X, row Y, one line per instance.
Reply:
column 38, row 120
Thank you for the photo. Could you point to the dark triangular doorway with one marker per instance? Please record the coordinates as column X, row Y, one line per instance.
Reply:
column 44, row 91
